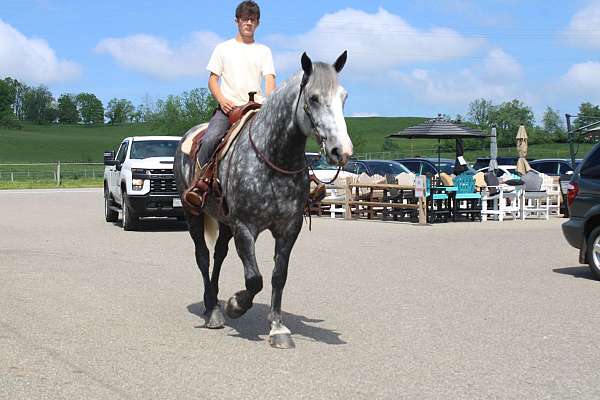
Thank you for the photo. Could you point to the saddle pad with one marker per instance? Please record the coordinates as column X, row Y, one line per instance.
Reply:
column 235, row 129
column 186, row 147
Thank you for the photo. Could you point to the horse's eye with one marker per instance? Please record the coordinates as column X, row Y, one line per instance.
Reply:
column 314, row 99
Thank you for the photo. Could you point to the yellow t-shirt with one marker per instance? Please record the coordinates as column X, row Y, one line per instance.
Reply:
column 241, row 68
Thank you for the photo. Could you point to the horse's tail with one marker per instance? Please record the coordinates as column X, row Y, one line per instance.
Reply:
column 211, row 231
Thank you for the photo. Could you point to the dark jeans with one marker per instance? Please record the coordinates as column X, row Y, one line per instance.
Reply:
column 217, row 126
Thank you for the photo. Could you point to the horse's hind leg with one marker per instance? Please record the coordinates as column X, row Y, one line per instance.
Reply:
column 196, row 228
column 280, row 336
column 241, row 302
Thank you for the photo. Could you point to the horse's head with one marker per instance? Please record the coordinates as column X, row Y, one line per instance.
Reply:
column 323, row 101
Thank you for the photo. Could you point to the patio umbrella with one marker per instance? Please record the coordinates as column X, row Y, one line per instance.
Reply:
column 438, row 128
column 493, row 151
column 460, row 151
column 522, row 164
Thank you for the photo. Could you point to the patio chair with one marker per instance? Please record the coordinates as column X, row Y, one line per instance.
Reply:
column 498, row 201
column 552, row 186
column 401, row 196
column 535, row 200
column 438, row 202
column 466, row 200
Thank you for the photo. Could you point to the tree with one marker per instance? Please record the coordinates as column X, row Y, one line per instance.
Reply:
column 119, row 111
column 36, row 104
column 90, row 108
column 508, row 116
column 7, row 99
column 553, row 125
column 19, row 93
column 177, row 114
column 67, row 109
column 587, row 110
column 480, row 111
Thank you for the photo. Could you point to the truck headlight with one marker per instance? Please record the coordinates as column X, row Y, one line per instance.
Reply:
column 137, row 184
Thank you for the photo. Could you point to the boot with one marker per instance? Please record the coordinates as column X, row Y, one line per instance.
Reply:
column 196, row 194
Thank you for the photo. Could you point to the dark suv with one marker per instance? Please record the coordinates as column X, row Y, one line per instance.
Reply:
column 582, row 230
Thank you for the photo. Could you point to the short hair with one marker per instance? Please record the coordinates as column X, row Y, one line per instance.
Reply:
column 247, row 8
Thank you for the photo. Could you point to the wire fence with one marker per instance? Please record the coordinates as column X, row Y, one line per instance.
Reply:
column 50, row 172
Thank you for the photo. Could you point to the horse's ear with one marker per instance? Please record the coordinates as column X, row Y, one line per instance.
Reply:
column 306, row 64
column 340, row 62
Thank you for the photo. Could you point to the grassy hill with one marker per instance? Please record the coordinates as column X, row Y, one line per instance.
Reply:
column 67, row 143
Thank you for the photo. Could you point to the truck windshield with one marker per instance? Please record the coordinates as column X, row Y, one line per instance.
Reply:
column 153, row 148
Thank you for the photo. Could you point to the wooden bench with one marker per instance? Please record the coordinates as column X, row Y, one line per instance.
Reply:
column 354, row 203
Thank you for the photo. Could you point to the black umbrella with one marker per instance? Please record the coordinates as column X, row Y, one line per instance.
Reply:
column 439, row 128
column 459, row 167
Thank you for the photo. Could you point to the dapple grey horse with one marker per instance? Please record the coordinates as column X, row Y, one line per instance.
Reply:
column 265, row 185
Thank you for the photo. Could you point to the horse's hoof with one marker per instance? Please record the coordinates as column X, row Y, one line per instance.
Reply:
column 233, row 309
column 217, row 319
column 282, row 341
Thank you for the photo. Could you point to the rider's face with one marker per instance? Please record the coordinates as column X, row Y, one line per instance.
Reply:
column 247, row 25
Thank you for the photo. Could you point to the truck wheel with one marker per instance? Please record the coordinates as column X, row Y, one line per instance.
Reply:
column 109, row 215
column 130, row 221
column 593, row 251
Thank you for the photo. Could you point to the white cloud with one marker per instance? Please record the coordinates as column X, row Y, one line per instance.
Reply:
column 583, row 29
column 31, row 59
column 582, row 78
column 154, row 56
column 375, row 42
column 497, row 78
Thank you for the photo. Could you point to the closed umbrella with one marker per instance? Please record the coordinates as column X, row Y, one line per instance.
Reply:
column 460, row 151
column 522, row 164
column 493, row 151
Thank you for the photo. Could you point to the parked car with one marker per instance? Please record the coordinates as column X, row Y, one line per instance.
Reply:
column 582, row 230
column 324, row 171
column 483, row 162
column 422, row 166
column 139, row 182
column 558, row 167
column 372, row 167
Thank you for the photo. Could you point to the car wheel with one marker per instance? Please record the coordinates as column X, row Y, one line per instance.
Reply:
column 109, row 214
column 130, row 221
column 593, row 251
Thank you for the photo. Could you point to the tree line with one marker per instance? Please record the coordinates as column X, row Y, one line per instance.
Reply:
column 175, row 114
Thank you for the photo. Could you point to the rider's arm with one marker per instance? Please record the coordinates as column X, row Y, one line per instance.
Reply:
column 269, row 84
column 215, row 90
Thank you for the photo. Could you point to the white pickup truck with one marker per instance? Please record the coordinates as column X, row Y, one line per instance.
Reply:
column 139, row 182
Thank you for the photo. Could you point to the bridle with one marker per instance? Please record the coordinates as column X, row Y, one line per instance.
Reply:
column 315, row 130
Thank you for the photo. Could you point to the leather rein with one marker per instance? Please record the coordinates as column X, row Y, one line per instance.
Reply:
column 318, row 137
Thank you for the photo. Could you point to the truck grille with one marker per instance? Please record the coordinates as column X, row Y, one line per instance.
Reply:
column 161, row 171
column 163, row 186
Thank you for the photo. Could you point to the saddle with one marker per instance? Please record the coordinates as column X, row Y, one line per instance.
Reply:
column 205, row 177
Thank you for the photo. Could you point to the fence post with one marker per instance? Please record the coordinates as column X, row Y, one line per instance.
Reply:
column 58, row 173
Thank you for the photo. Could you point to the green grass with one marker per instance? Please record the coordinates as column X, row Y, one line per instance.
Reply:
column 67, row 143
column 47, row 184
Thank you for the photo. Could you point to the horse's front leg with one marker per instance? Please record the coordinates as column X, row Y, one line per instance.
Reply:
column 245, row 239
column 279, row 335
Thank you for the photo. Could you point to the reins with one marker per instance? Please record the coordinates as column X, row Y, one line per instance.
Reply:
column 266, row 160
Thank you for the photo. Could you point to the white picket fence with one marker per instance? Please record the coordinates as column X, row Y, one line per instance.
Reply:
column 54, row 172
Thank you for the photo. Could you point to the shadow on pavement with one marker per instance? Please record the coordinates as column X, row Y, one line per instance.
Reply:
column 157, row 225
column 254, row 324
column 580, row 271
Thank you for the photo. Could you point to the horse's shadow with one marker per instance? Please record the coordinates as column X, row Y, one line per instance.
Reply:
column 254, row 323
column 580, row 271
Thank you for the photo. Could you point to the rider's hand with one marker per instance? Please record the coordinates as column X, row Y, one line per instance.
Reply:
column 226, row 105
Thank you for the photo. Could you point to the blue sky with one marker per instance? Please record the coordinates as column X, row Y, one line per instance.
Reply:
column 405, row 58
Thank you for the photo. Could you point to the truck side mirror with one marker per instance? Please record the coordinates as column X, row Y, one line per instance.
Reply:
column 109, row 157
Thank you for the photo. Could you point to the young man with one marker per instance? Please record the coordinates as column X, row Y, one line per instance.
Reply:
column 236, row 68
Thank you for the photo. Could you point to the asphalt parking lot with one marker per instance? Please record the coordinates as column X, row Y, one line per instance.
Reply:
column 378, row 311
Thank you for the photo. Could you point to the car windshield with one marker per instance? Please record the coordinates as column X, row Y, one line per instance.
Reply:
column 153, row 148
column 382, row 168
